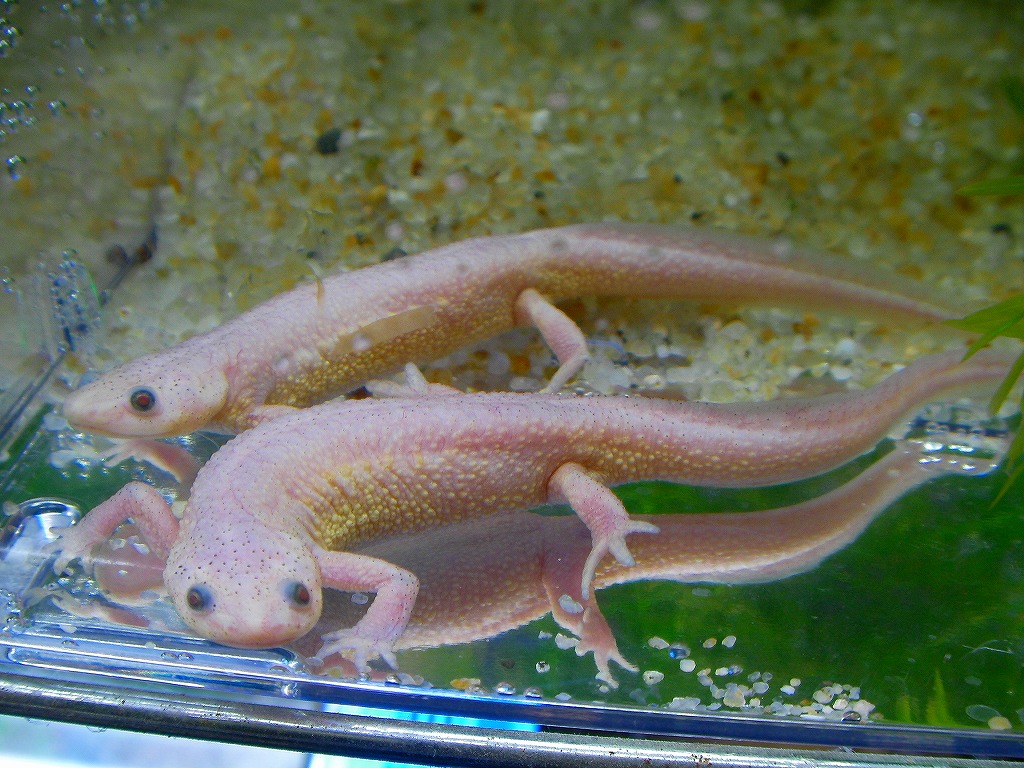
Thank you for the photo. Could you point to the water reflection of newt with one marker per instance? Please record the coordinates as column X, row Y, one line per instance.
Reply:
column 505, row 571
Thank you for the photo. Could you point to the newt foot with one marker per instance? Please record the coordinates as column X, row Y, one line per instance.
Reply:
column 595, row 636
column 363, row 648
column 75, row 542
column 612, row 541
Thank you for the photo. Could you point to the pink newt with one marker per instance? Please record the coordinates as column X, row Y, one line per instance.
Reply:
column 325, row 339
column 274, row 514
column 505, row 571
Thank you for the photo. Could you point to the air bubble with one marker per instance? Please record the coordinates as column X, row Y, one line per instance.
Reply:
column 15, row 165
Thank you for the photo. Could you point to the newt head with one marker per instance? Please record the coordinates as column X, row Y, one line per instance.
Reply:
column 258, row 588
column 154, row 396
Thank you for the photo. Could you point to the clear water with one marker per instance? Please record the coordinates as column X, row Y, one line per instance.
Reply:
column 846, row 126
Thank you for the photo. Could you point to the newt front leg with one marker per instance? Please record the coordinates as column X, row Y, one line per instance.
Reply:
column 386, row 618
column 136, row 501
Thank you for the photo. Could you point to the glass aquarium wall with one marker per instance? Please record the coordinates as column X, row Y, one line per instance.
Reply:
column 171, row 167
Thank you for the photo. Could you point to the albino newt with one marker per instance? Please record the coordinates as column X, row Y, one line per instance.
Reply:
column 321, row 340
column 504, row 571
column 274, row 514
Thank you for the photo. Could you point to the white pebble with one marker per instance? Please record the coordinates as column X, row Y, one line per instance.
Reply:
column 567, row 604
column 729, row 641
column 658, row 643
column 539, row 120
column 846, row 348
column 653, row 677
column 687, row 665
column 455, row 182
column 564, row 642
column 841, row 373
column 863, row 708
column 684, row 704
column 734, row 698
column 999, row 723
column 139, row 546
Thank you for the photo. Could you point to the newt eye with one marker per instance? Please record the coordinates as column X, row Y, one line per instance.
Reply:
column 298, row 593
column 142, row 399
column 199, row 598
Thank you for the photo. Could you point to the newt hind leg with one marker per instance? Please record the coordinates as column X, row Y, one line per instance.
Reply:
column 559, row 332
column 604, row 514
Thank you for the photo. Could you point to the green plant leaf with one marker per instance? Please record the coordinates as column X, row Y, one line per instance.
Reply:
column 1004, row 389
column 1003, row 319
column 1013, row 87
column 1011, row 185
column 936, row 708
column 1015, row 472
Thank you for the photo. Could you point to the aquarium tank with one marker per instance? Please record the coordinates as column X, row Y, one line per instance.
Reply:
column 170, row 167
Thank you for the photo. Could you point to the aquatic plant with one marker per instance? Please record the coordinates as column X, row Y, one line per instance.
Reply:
column 1010, row 185
column 1003, row 319
column 1007, row 317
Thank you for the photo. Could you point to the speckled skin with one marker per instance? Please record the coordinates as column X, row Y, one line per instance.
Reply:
column 324, row 339
column 282, row 505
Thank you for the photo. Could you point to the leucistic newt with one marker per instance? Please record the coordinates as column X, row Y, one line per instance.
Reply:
column 274, row 514
column 504, row 571
column 321, row 340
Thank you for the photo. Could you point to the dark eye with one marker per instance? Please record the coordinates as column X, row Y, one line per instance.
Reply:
column 142, row 400
column 199, row 598
column 298, row 593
